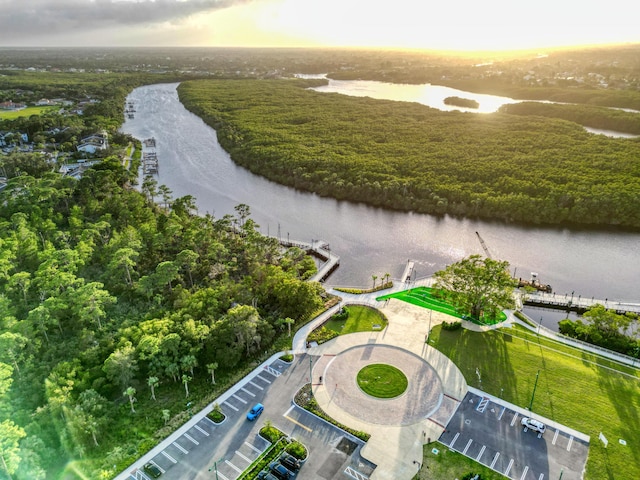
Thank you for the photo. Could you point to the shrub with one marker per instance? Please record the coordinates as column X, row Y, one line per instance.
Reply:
column 216, row 415
column 451, row 326
column 270, row 432
column 287, row 357
column 321, row 335
column 342, row 315
column 297, row 449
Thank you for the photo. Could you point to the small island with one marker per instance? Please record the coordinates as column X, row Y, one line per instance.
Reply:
column 461, row 102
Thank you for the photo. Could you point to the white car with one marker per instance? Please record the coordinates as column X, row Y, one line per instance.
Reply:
column 534, row 425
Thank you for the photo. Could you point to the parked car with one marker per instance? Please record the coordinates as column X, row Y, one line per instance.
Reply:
column 280, row 471
column 152, row 470
column 255, row 412
column 534, row 425
column 264, row 475
column 289, row 461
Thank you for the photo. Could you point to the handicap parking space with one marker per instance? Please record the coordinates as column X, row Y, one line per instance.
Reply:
column 490, row 432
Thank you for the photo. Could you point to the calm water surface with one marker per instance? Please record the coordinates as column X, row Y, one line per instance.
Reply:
column 373, row 241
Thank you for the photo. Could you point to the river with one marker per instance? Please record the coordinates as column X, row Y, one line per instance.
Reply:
column 373, row 241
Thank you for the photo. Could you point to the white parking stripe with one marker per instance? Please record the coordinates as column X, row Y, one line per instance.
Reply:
column 253, row 448
column 231, row 406
column 169, row 457
column 464, row 452
column 524, row 474
column 513, row 422
column 289, row 410
column 263, row 379
column 221, row 476
column 180, row 448
column 454, row 440
column 239, row 398
column 481, row 452
column 204, row 432
column 569, row 445
column 233, row 466
column 506, row 473
column 495, row 459
column 256, row 385
column 541, row 477
column 248, row 460
column 555, row 437
column 501, row 413
column 247, row 391
column 159, row 467
column 191, row 438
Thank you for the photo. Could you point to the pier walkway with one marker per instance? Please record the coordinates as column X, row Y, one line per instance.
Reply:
column 318, row 249
column 577, row 303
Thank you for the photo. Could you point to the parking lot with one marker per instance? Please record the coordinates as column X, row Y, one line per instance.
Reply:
column 196, row 452
column 490, row 432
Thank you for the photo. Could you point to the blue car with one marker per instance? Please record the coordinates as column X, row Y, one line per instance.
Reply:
column 255, row 412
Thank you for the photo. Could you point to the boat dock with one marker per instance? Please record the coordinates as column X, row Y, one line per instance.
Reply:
column 579, row 304
column 318, row 249
column 149, row 163
column 150, row 142
column 408, row 271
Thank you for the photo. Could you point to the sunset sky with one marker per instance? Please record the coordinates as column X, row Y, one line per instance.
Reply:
column 448, row 25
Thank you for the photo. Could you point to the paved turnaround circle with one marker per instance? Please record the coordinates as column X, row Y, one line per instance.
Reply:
column 421, row 398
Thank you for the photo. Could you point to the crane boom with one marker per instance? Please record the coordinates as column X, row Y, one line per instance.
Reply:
column 484, row 246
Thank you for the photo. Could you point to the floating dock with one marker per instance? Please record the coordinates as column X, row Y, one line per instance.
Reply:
column 579, row 304
column 149, row 163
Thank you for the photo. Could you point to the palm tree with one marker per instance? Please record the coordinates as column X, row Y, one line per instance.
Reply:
column 186, row 379
column 153, row 383
column 211, row 367
column 375, row 277
column 130, row 392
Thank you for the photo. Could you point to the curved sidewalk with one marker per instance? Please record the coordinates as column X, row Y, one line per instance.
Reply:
column 395, row 449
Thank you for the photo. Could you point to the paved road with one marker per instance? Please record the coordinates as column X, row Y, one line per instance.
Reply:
column 490, row 432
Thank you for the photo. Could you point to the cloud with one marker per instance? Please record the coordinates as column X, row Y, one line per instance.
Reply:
column 27, row 19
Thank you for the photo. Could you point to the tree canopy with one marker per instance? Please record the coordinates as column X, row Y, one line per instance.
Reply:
column 476, row 286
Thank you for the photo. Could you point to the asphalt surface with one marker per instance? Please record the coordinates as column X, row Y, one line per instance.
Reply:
column 491, row 433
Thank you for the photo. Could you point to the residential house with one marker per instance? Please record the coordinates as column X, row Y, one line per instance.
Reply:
column 93, row 143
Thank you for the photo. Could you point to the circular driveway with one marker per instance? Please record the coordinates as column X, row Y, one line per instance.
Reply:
column 422, row 397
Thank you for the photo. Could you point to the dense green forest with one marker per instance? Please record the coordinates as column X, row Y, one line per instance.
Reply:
column 404, row 156
column 114, row 306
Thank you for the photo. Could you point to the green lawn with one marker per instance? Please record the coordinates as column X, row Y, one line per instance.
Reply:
column 361, row 319
column 382, row 381
column 574, row 388
column 448, row 464
column 27, row 112
column 423, row 297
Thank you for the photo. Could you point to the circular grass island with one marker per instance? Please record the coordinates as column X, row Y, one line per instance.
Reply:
column 382, row 381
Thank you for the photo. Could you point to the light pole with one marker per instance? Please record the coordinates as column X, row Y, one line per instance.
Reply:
column 534, row 390
column 429, row 331
column 311, row 374
column 215, row 466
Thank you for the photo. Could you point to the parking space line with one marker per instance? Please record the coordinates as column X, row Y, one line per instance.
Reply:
column 169, row 456
column 454, row 440
column 231, row 406
column 233, row 466
column 263, row 379
column 246, row 459
column 495, row 459
column 570, row 442
column 221, row 476
column 464, row 452
column 191, row 438
column 524, row 473
column 506, row 473
column 256, row 385
column 481, row 452
column 239, row 398
column 252, row 447
column 248, row 392
column 289, row 410
column 298, row 423
column 513, row 422
column 501, row 413
column 183, row 450
column 555, row 437
column 204, row 432
column 541, row 477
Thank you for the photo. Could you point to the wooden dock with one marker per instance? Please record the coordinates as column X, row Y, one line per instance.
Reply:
column 318, row 249
column 577, row 303
column 149, row 163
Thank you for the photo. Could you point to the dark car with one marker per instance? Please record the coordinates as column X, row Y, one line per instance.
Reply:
column 152, row 470
column 264, row 475
column 280, row 471
column 255, row 412
column 289, row 461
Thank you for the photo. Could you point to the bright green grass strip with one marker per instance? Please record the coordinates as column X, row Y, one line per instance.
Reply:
column 449, row 464
column 382, row 381
column 423, row 297
column 361, row 319
column 27, row 112
column 575, row 388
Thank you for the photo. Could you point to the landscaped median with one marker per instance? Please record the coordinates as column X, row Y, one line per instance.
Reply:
column 279, row 443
